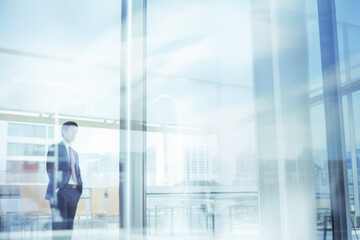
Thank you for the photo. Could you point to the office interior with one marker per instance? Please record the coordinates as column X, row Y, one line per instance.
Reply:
column 202, row 119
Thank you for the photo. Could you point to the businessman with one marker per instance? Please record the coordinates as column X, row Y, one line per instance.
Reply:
column 65, row 184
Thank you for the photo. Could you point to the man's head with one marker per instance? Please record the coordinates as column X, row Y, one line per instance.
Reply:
column 69, row 131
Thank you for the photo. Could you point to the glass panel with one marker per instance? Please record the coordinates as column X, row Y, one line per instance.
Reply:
column 356, row 102
column 201, row 159
column 26, row 130
column 355, row 169
column 206, row 170
column 61, row 64
column 354, row 38
column 321, row 166
column 25, row 149
column 315, row 73
column 348, row 27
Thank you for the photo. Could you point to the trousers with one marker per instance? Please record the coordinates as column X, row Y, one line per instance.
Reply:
column 63, row 212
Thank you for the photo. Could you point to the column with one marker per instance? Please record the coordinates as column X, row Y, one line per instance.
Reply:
column 133, row 117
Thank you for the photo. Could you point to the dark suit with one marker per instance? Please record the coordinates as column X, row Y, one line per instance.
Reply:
column 63, row 197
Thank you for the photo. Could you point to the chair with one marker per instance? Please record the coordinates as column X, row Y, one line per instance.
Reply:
column 8, row 219
column 3, row 222
column 113, row 200
column 113, row 196
column 352, row 214
column 33, row 203
column 1, row 211
column 97, row 198
column 32, row 200
column 323, row 205
column 81, row 210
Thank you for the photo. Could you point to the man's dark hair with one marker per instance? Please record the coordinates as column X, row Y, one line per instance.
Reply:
column 66, row 126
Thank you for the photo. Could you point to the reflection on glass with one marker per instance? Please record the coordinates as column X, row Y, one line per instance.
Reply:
column 201, row 158
column 219, row 74
column 63, row 63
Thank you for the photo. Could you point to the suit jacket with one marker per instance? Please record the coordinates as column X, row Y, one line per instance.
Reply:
column 63, row 169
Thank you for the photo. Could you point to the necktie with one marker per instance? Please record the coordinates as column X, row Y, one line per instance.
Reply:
column 72, row 165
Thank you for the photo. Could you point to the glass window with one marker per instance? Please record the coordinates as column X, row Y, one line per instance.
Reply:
column 25, row 149
column 51, row 132
column 61, row 64
column 26, row 130
column 230, row 118
column 201, row 159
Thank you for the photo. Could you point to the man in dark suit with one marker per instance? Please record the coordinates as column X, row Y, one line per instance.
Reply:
column 65, row 184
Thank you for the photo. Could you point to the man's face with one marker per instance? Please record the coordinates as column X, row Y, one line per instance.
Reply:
column 69, row 135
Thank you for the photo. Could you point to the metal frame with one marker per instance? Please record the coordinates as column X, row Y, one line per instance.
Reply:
column 334, row 123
